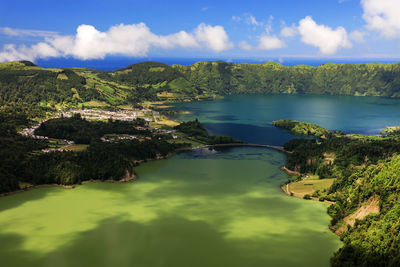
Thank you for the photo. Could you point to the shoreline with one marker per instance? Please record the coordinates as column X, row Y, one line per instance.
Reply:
column 33, row 187
column 286, row 187
column 285, row 190
column 134, row 177
column 290, row 172
column 126, row 179
column 72, row 186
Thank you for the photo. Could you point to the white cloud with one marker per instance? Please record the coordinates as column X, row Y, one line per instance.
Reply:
column 41, row 50
column 10, row 53
column 382, row 16
column 252, row 20
column 248, row 19
column 212, row 37
column 266, row 42
column 325, row 38
column 357, row 36
column 269, row 42
column 129, row 40
column 268, row 27
column 24, row 32
column 245, row 45
column 44, row 50
column 237, row 18
column 289, row 31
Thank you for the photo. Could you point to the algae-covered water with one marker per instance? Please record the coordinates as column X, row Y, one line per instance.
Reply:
column 203, row 208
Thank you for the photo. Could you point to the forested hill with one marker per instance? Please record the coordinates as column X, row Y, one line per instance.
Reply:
column 26, row 82
column 339, row 79
column 365, row 194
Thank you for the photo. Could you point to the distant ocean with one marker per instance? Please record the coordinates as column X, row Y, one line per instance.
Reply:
column 117, row 63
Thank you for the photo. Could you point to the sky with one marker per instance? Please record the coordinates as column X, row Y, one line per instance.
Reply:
column 88, row 30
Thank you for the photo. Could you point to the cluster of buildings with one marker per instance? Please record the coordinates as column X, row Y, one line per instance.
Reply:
column 60, row 149
column 140, row 128
column 30, row 132
column 122, row 115
column 164, row 131
column 111, row 139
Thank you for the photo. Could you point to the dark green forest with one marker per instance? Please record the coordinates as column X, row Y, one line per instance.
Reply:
column 82, row 131
column 196, row 130
column 22, row 160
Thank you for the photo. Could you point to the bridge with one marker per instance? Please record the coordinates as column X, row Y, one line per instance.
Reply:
column 278, row 148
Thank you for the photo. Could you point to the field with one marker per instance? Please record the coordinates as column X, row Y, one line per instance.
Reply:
column 76, row 147
column 308, row 186
column 164, row 123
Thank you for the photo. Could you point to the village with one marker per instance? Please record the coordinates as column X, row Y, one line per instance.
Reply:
column 63, row 145
column 122, row 115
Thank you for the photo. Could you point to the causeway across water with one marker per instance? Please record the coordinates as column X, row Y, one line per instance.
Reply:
column 278, row 148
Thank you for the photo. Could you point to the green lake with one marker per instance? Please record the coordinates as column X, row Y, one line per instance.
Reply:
column 194, row 209
column 201, row 208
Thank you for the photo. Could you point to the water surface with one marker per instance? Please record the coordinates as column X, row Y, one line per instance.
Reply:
column 203, row 208
column 249, row 117
column 196, row 209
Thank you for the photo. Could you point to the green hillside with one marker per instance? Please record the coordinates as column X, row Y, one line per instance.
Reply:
column 375, row 239
column 365, row 198
column 337, row 79
column 26, row 82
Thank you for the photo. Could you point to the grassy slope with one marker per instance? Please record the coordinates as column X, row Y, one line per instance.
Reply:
column 151, row 80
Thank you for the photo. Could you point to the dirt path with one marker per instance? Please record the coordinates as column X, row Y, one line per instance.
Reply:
column 290, row 172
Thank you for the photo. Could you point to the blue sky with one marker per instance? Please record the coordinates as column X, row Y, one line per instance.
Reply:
column 212, row 29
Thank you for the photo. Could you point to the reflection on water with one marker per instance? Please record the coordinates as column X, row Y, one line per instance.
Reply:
column 254, row 114
column 194, row 209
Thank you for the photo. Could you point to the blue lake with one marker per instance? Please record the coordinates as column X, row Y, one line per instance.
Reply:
column 250, row 117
